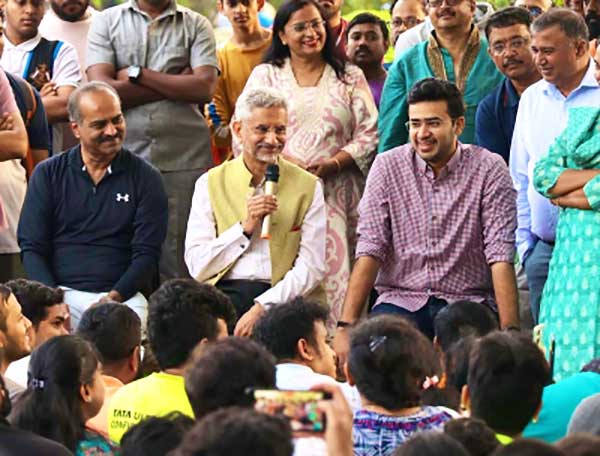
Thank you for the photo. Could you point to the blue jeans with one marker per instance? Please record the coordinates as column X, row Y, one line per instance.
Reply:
column 422, row 318
column 536, row 269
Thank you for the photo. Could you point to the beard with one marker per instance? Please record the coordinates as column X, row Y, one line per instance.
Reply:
column 592, row 19
column 70, row 17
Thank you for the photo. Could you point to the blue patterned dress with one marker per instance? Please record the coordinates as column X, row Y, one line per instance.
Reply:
column 570, row 308
column 94, row 444
column 379, row 435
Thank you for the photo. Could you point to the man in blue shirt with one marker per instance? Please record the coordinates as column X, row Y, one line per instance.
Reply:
column 509, row 39
column 95, row 217
column 561, row 53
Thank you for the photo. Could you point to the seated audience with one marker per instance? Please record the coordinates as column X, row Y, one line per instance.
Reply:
column 559, row 402
column 367, row 40
column 223, row 374
column 527, row 447
column 105, row 211
column 460, row 320
column 15, row 442
column 304, row 358
column 182, row 314
column 156, row 436
column 586, row 417
column 431, row 444
column 224, row 245
column 535, row 7
column 456, row 368
column 65, row 390
column 15, row 339
column 238, row 432
column 580, row 445
column 392, row 365
column 507, row 374
column 49, row 317
column 116, row 332
column 477, row 438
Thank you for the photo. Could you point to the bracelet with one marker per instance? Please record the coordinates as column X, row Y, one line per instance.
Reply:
column 339, row 165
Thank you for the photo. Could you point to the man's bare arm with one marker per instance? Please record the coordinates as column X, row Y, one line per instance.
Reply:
column 132, row 95
column 505, row 290
column 13, row 137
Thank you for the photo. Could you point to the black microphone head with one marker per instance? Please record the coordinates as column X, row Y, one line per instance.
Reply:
column 272, row 173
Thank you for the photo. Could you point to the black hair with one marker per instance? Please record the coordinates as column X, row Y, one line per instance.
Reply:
column 35, row 298
column 506, row 17
column 434, row 89
column 580, row 445
column 592, row 366
column 51, row 406
column 431, row 444
column 368, row 18
column 281, row 327
column 457, row 362
column 389, row 360
column 527, row 447
column 236, row 431
column 4, row 295
column 114, row 329
column 462, row 319
column 507, row 375
column 572, row 24
column 278, row 52
column 477, row 438
column 156, row 436
column 181, row 313
column 225, row 371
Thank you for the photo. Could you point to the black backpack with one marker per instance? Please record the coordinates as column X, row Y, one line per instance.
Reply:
column 40, row 62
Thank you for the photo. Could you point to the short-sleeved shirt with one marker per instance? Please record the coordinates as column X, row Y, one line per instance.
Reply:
column 7, row 99
column 172, row 135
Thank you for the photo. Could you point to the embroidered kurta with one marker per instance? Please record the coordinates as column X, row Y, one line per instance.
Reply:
column 570, row 309
column 323, row 120
column 475, row 75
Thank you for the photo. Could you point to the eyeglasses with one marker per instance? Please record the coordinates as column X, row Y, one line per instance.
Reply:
column 535, row 11
column 438, row 3
column 515, row 43
column 301, row 27
column 431, row 124
column 409, row 22
column 262, row 130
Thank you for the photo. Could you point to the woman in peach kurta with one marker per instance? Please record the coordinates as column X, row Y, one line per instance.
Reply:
column 332, row 126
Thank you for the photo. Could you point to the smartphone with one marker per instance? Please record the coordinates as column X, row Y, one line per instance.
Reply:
column 299, row 407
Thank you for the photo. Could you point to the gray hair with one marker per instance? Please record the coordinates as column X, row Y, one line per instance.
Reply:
column 75, row 98
column 571, row 23
column 262, row 97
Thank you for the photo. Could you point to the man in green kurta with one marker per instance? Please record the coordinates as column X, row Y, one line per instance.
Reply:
column 456, row 52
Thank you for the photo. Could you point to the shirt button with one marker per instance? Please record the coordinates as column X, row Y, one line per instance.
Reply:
column 433, row 218
column 242, row 246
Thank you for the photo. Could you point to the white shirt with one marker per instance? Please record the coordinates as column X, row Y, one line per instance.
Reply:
column 297, row 377
column 206, row 254
column 412, row 36
column 17, row 371
column 541, row 117
column 65, row 71
column 53, row 27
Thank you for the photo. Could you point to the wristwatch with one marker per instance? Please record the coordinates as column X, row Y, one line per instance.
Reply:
column 134, row 72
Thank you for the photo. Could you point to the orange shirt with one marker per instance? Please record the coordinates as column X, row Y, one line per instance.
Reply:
column 100, row 422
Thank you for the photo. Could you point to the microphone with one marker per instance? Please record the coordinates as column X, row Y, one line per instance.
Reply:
column 271, row 179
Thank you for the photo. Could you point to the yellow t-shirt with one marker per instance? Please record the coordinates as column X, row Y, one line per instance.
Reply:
column 156, row 395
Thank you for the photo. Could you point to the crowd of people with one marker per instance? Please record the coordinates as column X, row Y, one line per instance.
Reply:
column 184, row 225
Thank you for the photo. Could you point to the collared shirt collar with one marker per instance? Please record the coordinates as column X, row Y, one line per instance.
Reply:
column 75, row 160
column 26, row 46
column 588, row 80
column 510, row 96
column 453, row 163
column 170, row 10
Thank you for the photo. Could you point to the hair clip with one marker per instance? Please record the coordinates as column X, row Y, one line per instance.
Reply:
column 430, row 382
column 37, row 383
column 375, row 342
